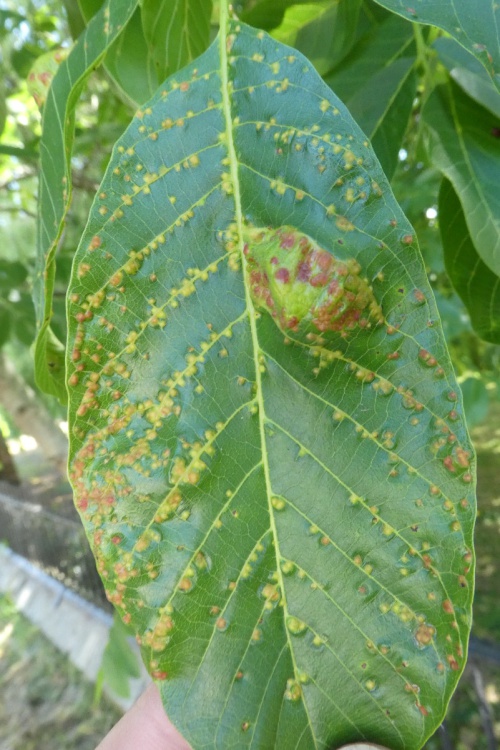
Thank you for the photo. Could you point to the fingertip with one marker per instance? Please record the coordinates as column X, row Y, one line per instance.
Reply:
column 145, row 726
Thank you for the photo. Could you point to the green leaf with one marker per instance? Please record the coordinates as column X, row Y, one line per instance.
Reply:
column 324, row 31
column 387, row 42
column 276, row 481
column 42, row 73
column 3, row 109
column 50, row 377
column 75, row 18
column 22, row 59
column 478, row 287
column 119, row 663
column 476, row 398
column 12, row 274
column 388, row 115
column 474, row 24
column 377, row 83
column 462, row 143
column 268, row 14
column 129, row 60
column 453, row 315
column 177, row 32
column 9, row 20
column 4, row 324
column 23, row 321
column 24, row 154
column 55, row 184
column 468, row 73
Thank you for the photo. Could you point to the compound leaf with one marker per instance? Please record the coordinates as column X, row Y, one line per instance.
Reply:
column 268, row 447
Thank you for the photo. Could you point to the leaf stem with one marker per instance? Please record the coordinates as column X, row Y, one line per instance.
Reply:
column 421, row 46
column 423, row 61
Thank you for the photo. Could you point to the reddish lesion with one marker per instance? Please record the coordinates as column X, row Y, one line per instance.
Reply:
column 304, row 286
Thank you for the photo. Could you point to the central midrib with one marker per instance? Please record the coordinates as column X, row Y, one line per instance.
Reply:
column 256, row 350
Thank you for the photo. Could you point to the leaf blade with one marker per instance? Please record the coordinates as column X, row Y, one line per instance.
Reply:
column 204, row 521
column 377, row 83
column 474, row 25
column 55, row 183
column 478, row 287
column 464, row 148
column 468, row 73
column 308, row 27
column 177, row 37
column 128, row 60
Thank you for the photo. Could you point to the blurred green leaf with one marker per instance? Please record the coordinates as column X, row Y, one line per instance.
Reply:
column 454, row 318
column 475, row 24
column 252, row 466
column 9, row 20
column 4, row 324
column 468, row 72
column 42, row 73
column 177, row 32
column 42, row 21
column 385, row 108
column 55, row 186
column 462, row 143
column 12, row 274
column 323, row 31
column 477, row 285
column 119, row 662
column 23, row 319
column 23, row 154
column 268, row 14
column 23, row 59
column 476, row 399
column 3, row 108
column 76, row 21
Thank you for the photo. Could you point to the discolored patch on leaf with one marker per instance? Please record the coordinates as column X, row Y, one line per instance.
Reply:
column 41, row 74
column 305, row 288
